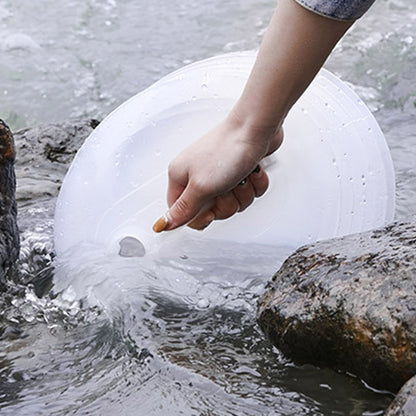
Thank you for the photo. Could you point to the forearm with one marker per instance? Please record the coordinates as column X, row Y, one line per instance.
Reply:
column 293, row 50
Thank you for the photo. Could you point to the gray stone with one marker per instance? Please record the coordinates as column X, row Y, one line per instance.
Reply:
column 405, row 402
column 9, row 233
column 44, row 154
column 349, row 304
column 131, row 247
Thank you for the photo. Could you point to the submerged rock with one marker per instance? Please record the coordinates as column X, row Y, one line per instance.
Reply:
column 405, row 402
column 9, row 234
column 350, row 304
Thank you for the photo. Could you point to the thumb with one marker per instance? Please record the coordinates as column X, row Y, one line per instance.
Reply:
column 183, row 210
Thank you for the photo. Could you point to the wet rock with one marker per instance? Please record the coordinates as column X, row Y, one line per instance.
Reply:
column 44, row 154
column 9, row 234
column 405, row 402
column 350, row 304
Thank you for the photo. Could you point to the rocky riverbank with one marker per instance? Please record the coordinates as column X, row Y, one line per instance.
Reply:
column 347, row 303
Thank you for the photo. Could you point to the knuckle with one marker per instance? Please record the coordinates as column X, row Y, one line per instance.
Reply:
column 201, row 188
column 182, row 208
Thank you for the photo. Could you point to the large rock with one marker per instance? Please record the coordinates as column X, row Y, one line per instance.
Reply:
column 44, row 154
column 405, row 402
column 350, row 304
column 49, row 148
column 9, row 234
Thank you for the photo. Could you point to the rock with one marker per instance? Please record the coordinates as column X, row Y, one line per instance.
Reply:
column 44, row 154
column 405, row 402
column 9, row 233
column 350, row 304
column 49, row 149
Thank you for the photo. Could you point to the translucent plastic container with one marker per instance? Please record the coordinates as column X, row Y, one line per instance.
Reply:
column 332, row 176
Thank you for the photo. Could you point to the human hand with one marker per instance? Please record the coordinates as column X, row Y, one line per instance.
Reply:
column 218, row 175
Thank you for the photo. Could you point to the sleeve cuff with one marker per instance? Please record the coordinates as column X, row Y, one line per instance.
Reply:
column 344, row 10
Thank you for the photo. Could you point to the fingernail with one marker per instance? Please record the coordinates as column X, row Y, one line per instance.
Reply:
column 256, row 169
column 160, row 224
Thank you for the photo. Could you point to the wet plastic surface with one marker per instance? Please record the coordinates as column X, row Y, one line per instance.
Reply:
column 332, row 176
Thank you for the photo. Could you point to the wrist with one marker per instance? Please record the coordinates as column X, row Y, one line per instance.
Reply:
column 259, row 138
column 255, row 126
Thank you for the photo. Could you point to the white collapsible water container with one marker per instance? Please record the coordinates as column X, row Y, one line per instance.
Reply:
column 332, row 176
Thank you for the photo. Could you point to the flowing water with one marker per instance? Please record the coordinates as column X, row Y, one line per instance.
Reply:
column 174, row 334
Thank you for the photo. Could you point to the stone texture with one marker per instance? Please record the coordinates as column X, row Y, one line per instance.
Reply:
column 48, row 148
column 405, row 402
column 9, row 233
column 350, row 304
column 44, row 154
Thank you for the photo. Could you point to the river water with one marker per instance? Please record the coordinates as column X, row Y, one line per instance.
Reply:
column 176, row 334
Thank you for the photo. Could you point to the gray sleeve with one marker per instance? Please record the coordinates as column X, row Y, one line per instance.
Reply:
column 338, row 9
